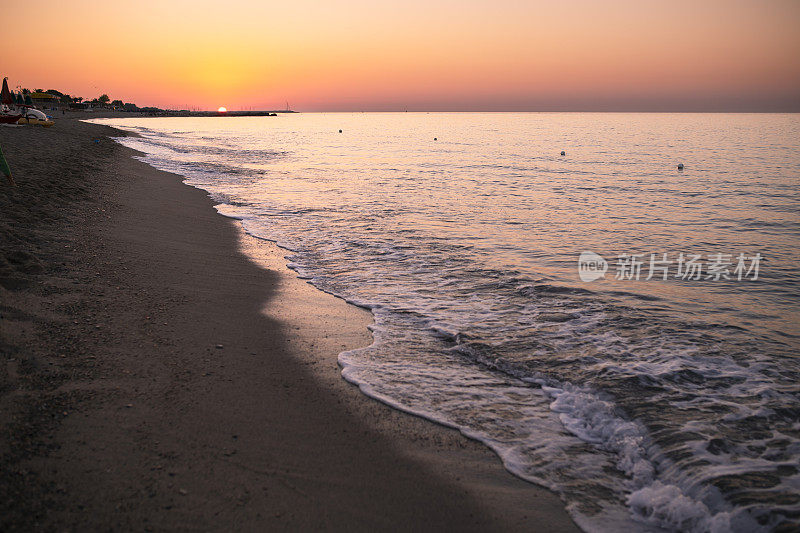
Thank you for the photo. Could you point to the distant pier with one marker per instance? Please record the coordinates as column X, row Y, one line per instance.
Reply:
column 165, row 113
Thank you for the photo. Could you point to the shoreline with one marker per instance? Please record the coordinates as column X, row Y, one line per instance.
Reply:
column 165, row 370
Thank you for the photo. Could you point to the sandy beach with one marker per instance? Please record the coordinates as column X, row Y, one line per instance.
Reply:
column 155, row 378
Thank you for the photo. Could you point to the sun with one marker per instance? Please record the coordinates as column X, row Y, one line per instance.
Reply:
column 222, row 110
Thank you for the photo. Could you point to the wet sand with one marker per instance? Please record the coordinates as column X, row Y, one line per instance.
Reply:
column 153, row 377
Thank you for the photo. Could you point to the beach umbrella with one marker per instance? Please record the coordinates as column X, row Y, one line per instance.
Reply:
column 18, row 99
column 28, row 100
column 5, row 95
column 5, row 170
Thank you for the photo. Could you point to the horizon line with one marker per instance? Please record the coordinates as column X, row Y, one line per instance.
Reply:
column 713, row 111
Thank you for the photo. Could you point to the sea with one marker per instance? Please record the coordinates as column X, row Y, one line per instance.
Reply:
column 621, row 331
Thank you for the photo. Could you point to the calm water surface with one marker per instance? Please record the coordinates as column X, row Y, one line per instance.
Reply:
column 646, row 404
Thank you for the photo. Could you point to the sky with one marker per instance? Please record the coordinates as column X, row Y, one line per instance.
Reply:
column 415, row 55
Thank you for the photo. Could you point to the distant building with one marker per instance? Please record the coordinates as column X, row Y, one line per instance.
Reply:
column 46, row 100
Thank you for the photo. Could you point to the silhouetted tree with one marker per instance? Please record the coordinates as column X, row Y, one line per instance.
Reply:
column 104, row 99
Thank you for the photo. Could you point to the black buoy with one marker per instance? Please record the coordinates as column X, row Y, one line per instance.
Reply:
column 563, row 152
column 436, row 138
column 680, row 166
column 340, row 131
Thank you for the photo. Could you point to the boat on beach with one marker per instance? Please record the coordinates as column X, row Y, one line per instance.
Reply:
column 9, row 118
column 34, row 117
column 32, row 121
column 13, row 112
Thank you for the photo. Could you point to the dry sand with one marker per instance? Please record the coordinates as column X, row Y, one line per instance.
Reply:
column 152, row 377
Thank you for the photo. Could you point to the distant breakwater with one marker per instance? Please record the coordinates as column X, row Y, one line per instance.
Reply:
column 216, row 113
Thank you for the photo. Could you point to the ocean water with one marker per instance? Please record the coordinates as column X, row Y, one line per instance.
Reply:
column 646, row 404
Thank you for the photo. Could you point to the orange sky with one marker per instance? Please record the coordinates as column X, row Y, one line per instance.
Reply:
column 417, row 55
